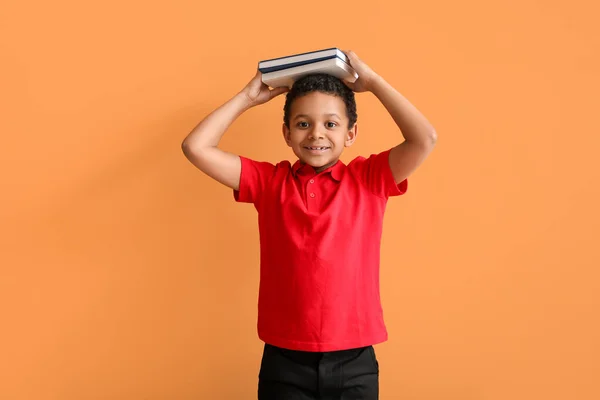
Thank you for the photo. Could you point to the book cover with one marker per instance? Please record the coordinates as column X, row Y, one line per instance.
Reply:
column 271, row 65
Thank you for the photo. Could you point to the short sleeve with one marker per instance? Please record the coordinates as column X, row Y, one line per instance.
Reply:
column 254, row 178
column 376, row 174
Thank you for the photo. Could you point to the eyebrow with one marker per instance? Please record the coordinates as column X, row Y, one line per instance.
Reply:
column 306, row 116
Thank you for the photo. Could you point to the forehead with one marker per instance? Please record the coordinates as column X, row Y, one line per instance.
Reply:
column 317, row 103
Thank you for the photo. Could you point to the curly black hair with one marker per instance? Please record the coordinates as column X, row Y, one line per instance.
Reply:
column 323, row 83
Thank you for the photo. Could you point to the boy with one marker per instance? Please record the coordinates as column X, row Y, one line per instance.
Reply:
column 320, row 222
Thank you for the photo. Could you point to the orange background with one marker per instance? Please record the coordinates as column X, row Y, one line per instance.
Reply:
column 128, row 274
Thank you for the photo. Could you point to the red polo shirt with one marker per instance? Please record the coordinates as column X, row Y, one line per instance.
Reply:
column 320, row 238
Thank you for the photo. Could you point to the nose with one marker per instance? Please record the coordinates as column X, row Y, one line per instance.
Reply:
column 315, row 134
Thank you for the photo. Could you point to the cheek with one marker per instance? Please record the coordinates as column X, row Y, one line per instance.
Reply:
column 296, row 136
column 340, row 139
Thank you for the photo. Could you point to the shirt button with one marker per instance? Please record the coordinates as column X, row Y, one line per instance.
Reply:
column 312, row 195
column 312, row 181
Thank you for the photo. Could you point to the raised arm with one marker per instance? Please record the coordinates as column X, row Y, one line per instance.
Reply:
column 201, row 144
column 419, row 135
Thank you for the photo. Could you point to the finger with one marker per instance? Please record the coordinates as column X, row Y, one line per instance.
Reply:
column 351, row 55
column 280, row 90
column 347, row 53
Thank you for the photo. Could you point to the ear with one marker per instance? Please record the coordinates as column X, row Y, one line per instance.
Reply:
column 286, row 134
column 351, row 135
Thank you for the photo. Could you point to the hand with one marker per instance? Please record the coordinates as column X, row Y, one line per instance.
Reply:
column 366, row 76
column 256, row 92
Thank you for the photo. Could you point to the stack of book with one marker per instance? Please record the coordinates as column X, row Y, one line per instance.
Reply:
column 284, row 71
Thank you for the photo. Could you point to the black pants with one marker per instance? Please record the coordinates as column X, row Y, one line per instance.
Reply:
column 337, row 375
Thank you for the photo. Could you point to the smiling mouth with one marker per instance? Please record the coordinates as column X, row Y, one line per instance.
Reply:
column 317, row 148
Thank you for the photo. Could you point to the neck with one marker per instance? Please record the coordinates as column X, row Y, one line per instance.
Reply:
column 324, row 167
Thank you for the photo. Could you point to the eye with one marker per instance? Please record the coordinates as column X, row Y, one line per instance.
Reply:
column 302, row 124
column 331, row 124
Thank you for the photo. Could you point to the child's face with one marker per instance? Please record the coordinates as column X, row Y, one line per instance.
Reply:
column 318, row 129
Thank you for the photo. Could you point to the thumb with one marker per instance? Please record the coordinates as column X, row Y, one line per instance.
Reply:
column 280, row 90
column 349, row 84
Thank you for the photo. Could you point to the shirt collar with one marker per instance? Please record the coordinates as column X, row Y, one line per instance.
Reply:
column 336, row 170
